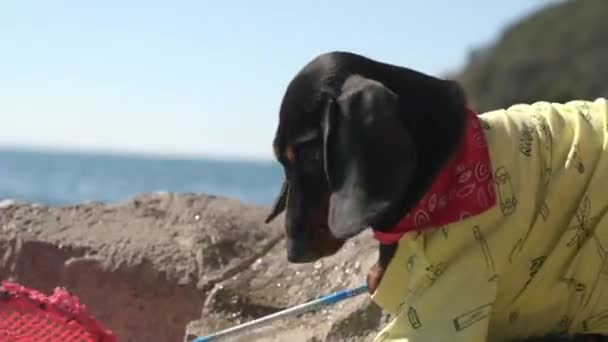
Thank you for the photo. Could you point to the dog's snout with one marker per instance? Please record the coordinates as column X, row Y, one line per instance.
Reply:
column 302, row 258
column 299, row 254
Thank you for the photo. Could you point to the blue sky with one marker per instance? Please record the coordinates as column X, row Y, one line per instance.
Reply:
column 203, row 77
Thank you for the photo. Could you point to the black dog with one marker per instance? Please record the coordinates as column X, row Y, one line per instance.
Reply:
column 360, row 142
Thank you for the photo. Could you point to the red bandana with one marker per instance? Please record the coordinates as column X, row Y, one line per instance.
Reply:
column 462, row 189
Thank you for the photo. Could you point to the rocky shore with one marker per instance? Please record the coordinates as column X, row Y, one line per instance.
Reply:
column 168, row 267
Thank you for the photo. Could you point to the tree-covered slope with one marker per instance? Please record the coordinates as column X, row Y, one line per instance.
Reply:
column 556, row 54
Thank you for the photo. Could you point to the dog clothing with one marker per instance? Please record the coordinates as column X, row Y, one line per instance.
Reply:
column 511, row 243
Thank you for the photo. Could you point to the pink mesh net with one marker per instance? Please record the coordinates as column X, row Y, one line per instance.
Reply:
column 27, row 315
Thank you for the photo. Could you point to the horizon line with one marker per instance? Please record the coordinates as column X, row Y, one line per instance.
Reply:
column 163, row 155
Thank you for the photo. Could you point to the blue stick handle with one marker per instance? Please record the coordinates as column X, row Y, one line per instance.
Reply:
column 296, row 310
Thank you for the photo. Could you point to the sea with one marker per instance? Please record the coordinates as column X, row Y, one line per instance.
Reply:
column 61, row 178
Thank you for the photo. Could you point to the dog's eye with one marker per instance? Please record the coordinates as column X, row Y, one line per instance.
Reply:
column 310, row 156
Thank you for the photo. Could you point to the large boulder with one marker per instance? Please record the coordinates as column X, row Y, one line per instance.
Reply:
column 163, row 266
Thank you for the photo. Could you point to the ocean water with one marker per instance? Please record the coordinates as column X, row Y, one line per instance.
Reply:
column 65, row 178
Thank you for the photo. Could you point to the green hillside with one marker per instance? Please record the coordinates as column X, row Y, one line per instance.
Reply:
column 556, row 54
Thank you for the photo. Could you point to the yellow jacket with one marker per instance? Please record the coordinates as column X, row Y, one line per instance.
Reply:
column 535, row 263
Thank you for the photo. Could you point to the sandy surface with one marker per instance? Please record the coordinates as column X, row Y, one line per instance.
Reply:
column 166, row 267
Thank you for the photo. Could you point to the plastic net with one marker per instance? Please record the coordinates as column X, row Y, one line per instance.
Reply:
column 28, row 315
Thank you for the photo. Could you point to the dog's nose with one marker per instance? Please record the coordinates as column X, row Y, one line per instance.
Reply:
column 299, row 255
column 301, row 258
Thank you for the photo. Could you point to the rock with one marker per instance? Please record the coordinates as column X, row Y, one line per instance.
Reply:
column 272, row 284
column 143, row 267
column 6, row 203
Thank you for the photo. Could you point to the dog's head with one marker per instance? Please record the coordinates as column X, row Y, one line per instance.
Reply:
column 348, row 149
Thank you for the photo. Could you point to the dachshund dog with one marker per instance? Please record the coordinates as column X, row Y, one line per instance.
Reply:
column 361, row 143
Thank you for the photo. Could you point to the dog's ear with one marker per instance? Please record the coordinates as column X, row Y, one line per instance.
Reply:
column 280, row 203
column 369, row 156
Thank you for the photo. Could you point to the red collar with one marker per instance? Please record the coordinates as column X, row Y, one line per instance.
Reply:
column 463, row 188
